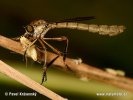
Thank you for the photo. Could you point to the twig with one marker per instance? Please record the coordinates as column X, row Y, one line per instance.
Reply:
column 83, row 70
column 23, row 79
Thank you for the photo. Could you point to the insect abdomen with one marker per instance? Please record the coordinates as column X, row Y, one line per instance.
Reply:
column 101, row 29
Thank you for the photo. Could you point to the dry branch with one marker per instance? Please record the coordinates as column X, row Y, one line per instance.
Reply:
column 23, row 79
column 83, row 70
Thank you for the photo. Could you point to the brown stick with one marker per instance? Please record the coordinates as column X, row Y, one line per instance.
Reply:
column 23, row 79
column 80, row 69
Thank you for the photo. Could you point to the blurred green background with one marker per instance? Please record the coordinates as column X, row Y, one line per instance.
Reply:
column 101, row 51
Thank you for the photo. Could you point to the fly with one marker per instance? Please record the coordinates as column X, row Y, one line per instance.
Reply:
column 37, row 30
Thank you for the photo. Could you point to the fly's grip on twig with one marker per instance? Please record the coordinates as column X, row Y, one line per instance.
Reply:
column 101, row 29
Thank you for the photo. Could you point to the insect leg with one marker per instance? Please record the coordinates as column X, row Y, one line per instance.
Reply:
column 45, row 52
column 63, row 38
column 55, row 50
column 16, row 38
column 44, row 77
column 25, row 56
column 45, row 66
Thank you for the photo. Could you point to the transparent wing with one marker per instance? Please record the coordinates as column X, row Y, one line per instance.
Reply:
column 75, row 19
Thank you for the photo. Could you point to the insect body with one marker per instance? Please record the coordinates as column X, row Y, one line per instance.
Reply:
column 37, row 30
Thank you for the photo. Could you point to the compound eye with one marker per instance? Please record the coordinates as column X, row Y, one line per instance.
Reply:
column 29, row 28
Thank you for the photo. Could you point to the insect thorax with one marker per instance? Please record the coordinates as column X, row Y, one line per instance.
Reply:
column 36, row 28
column 38, row 22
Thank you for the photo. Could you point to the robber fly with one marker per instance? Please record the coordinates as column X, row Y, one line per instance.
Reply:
column 37, row 30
